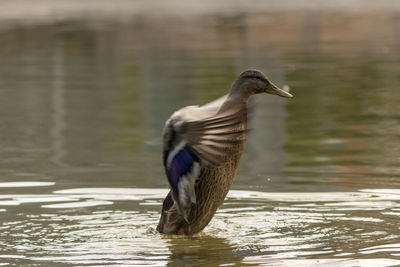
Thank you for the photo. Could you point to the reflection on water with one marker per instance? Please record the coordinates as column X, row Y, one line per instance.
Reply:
column 59, row 112
column 84, row 101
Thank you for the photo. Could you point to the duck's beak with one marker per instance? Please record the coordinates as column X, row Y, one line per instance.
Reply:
column 275, row 90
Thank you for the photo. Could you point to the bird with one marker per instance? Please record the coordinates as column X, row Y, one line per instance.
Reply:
column 202, row 146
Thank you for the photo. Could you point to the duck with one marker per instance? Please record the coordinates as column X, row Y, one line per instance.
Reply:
column 202, row 146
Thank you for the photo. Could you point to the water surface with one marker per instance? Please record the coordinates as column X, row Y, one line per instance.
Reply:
column 84, row 99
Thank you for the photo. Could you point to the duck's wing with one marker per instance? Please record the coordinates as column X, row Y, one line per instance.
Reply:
column 191, row 144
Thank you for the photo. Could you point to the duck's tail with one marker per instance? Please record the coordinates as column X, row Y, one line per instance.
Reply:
column 171, row 221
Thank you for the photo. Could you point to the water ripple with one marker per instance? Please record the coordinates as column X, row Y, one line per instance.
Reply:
column 115, row 226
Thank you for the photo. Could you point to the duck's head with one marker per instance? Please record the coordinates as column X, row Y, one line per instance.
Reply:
column 252, row 82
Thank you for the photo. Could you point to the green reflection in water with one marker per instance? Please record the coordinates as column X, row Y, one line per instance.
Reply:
column 344, row 119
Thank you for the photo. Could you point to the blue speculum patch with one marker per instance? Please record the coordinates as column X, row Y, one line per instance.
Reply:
column 181, row 164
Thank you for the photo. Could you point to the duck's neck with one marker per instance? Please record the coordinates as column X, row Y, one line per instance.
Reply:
column 234, row 102
column 238, row 92
column 238, row 97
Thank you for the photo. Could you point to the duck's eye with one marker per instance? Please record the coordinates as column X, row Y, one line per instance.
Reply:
column 254, row 77
column 260, row 79
column 257, row 77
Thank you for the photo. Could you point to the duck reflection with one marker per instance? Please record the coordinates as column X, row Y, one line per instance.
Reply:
column 202, row 250
column 58, row 105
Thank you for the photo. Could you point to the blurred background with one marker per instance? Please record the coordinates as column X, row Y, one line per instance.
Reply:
column 86, row 87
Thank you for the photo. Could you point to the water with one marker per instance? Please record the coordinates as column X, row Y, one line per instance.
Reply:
column 84, row 99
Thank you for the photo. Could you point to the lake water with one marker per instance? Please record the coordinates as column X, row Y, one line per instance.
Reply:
column 84, row 99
